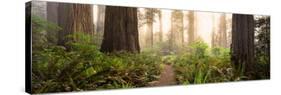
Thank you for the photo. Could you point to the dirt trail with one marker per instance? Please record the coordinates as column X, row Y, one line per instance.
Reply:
column 167, row 76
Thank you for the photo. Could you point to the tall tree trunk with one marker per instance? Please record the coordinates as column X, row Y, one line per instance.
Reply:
column 243, row 43
column 39, row 9
column 267, row 49
column 74, row 18
column 100, row 18
column 52, row 16
column 191, row 27
column 222, row 32
column 213, row 32
column 121, row 30
column 160, row 26
column 177, row 27
column 52, row 12
column 181, row 27
column 149, row 32
column 171, row 35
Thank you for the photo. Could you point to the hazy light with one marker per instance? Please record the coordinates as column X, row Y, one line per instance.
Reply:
column 205, row 22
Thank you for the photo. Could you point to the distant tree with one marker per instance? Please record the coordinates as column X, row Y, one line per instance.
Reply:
column 213, row 34
column 141, row 17
column 177, row 34
column 149, row 14
column 229, row 30
column 100, row 18
column 52, row 16
column 120, row 30
column 242, row 56
column 222, row 31
column 191, row 27
column 52, row 12
column 160, row 26
column 219, row 38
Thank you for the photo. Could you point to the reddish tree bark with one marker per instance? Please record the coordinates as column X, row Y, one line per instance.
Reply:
column 121, row 30
column 74, row 18
column 243, row 43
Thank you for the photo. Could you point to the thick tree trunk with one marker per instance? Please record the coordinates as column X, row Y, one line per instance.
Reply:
column 243, row 43
column 74, row 18
column 191, row 29
column 121, row 30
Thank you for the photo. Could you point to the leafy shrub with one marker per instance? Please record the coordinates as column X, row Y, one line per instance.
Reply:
column 199, row 49
column 43, row 32
column 84, row 67
column 203, row 65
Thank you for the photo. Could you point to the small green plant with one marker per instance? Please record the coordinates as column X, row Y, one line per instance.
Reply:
column 199, row 49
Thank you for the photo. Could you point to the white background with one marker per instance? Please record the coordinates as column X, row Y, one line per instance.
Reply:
column 12, row 47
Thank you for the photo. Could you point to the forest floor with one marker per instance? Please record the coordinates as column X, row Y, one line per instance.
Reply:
column 167, row 76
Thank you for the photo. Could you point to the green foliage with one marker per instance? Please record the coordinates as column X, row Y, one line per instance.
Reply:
column 39, row 24
column 84, row 67
column 197, row 63
column 199, row 49
column 262, row 47
column 43, row 32
column 221, row 53
column 262, row 44
column 204, row 65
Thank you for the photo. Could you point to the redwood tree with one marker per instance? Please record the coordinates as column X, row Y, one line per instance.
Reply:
column 120, row 30
column 222, row 32
column 52, row 16
column 160, row 26
column 177, row 27
column 243, row 43
column 191, row 26
column 74, row 18
column 149, row 14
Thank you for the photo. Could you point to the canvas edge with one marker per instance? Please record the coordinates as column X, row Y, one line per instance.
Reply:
column 28, row 47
